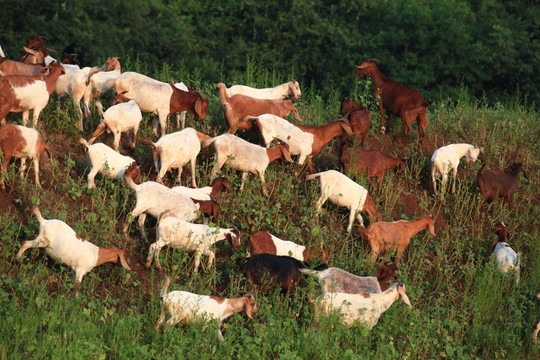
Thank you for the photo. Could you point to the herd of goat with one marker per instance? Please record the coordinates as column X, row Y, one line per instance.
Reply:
column 27, row 85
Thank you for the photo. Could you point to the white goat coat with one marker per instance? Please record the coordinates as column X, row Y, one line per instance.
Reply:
column 197, row 194
column 73, row 85
column 106, row 161
column 288, row 248
column 446, row 159
column 279, row 92
column 341, row 191
column 366, row 308
column 121, row 118
column 507, row 259
column 300, row 142
column 338, row 280
column 239, row 154
column 63, row 245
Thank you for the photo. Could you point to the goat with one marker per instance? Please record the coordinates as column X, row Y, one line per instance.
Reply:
column 383, row 236
column 176, row 150
column 154, row 199
column 25, row 93
column 244, row 156
column 219, row 184
column 120, row 118
column 342, row 191
column 185, row 307
column 284, row 91
column 358, row 118
column 366, row 308
column 371, row 163
column 262, row 242
column 446, row 159
column 238, row 107
column 62, row 244
column 493, row 183
column 196, row 238
column 101, row 81
column 397, row 99
column 21, row 142
column 161, row 98
column 304, row 141
column 505, row 257
column 106, row 161
column 282, row 271
column 338, row 280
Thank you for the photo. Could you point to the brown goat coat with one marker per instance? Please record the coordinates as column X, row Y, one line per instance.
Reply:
column 238, row 107
column 193, row 101
column 496, row 183
column 208, row 207
column 383, row 236
column 358, row 117
column 397, row 99
column 112, row 255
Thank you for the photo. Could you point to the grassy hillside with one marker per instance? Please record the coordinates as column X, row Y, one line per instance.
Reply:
column 462, row 306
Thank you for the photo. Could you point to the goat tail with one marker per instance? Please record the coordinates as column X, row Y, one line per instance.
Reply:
column 310, row 272
column 222, row 93
column 152, row 144
column 100, row 109
column 165, row 286
column 123, row 260
column 93, row 71
column 207, row 143
column 313, row 176
column 37, row 214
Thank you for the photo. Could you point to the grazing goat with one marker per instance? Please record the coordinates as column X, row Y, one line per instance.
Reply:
column 21, row 142
column 282, row 271
column 493, row 183
column 284, row 91
column 119, row 118
column 101, row 81
column 244, row 156
column 185, row 307
column 505, row 257
column 262, row 242
column 195, row 238
column 358, row 118
column 161, row 98
column 219, row 184
column 304, row 141
column 154, row 199
column 397, row 99
column 105, row 160
column 342, row 191
column 366, row 308
column 25, row 93
column 383, row 236
column 237, row 107
column 338, row 280
column 64, row 245
column 176, row 150
column 446, row 159
column 371, row 163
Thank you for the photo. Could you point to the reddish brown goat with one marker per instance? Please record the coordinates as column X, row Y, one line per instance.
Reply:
column 358, row 117
column 237, row 107
column 496, row 183
column 383, row 236
column 397, row 99
column 262, row 242
column 371, row 163
column 208, row 207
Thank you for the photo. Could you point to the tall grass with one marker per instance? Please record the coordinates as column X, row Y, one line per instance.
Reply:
column 462, row 307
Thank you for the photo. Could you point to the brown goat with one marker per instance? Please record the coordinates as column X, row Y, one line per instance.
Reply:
column 496, row 183
column 397, row 99
column 371, row 163
column 358, row 117
column 192, row 101
column 237, row 107
column 383, row 236
column 208, row 207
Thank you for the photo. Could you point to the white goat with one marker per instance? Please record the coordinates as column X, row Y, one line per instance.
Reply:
column 176, row 150
column 505, row 257
column 64, row 245
column 280, row 92
column 366, row 308
column 105, row 160
column 196, row 238
column 244, row 156
column 221, row 183
column 101, row 82
column 342, row 191
column 119, row 118
column 446, row 159
column 155, row 199
column 185, row 307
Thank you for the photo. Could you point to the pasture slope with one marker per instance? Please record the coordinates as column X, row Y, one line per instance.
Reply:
column 462, row 307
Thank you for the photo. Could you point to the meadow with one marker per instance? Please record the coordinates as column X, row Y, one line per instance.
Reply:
column 462, row 307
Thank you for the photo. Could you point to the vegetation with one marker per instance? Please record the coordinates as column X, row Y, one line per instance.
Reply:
column 462, row 307
column 490, row 46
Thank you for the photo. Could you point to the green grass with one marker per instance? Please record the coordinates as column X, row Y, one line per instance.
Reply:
column 462, row 307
